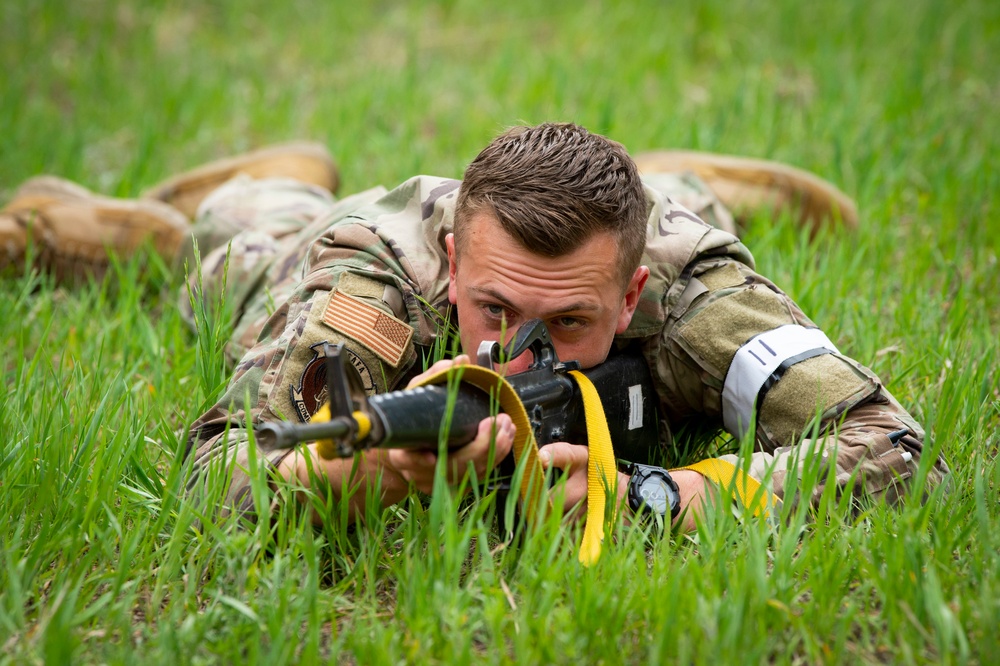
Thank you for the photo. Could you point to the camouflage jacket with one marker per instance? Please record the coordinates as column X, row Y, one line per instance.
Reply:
column 371, row 271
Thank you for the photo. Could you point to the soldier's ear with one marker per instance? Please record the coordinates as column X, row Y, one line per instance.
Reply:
column 630, row 301
column 449, row 242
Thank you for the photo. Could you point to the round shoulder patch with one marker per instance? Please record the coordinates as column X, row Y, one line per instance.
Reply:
column 311, row 392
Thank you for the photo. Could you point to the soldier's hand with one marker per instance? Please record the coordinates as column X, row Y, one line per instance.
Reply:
column 572, row 460
column 417, row 467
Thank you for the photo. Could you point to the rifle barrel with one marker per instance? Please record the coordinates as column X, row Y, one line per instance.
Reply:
column 285, row 434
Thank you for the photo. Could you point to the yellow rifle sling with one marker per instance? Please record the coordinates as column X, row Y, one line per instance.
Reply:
column 601, row 469
column 726, row 475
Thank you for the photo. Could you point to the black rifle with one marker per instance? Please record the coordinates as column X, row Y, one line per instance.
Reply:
column 413, row 418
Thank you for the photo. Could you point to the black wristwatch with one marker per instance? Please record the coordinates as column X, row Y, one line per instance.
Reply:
column 653, row 488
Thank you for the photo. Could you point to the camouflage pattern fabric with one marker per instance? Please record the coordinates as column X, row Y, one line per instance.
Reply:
column 296, row 256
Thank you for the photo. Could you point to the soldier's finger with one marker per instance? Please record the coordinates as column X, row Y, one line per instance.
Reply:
column 417, row 467
column 501, row 430
column 564, row 456
column 504, row 428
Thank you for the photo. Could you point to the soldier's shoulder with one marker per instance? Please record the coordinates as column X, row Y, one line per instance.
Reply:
column 418, row 198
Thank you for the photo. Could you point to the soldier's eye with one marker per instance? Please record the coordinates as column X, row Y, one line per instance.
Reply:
column 569, row 323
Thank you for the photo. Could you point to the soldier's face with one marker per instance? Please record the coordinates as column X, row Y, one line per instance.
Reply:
column 496, row 285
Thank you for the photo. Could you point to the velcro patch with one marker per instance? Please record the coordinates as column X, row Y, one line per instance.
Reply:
column 387, row 337
column 723, row 277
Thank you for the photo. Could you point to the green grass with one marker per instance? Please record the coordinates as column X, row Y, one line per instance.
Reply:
column 101, row 558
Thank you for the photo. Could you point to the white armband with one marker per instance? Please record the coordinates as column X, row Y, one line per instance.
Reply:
column 760, row 363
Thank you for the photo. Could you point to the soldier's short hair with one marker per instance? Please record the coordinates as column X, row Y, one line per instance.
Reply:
column 552, row 186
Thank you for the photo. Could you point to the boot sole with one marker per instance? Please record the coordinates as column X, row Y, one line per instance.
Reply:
column 77, row 228
column 747, row 185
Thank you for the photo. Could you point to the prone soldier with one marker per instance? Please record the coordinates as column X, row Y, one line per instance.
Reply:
column 549, row 222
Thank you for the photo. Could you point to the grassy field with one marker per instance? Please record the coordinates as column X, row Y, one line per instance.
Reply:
column 100, row 556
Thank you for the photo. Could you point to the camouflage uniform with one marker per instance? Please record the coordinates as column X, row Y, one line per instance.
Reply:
column 298, row 258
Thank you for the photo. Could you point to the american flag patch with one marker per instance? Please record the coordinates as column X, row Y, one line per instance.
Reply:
column 383, row 334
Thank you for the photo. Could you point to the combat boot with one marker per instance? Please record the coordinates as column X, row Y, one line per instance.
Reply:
column 747, row 186
column 304, row 161
column 74, row 229
column 13, row 241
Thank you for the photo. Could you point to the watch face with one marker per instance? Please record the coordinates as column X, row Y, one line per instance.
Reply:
column 656, row 493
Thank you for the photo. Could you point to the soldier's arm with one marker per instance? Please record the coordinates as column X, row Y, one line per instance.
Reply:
column 738, row 351
column 282, row 375
column 394, row 471
column 281, row 378
column 391, row 473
